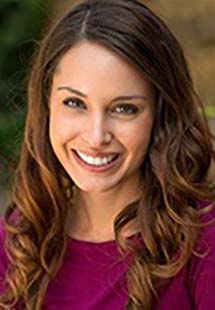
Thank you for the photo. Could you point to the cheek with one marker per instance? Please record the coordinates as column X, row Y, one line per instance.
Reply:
column 138, row 140
column 56, row 130
column 63, row 128
column 138, row 146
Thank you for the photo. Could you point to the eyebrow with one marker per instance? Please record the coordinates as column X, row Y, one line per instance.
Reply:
column 77, row 92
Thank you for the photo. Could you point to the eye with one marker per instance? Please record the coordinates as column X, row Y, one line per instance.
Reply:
column 126, row 109
column 73, row 103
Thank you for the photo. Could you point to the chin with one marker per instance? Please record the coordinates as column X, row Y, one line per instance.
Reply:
column 97, row 187
column 94, row 189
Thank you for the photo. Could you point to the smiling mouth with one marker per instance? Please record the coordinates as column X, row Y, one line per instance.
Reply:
column 97, row 167
column 96, row 161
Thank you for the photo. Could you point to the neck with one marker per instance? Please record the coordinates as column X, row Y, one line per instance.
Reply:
column 93, row 214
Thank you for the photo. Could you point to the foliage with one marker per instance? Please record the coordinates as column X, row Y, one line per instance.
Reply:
column 21, row 22
column 210, row 111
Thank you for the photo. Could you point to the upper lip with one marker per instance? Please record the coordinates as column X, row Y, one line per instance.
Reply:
column 97, row 154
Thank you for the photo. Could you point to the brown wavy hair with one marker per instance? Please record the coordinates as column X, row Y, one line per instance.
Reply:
column 176, row 169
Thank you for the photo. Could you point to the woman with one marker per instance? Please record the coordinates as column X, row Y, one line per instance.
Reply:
column 113, row 201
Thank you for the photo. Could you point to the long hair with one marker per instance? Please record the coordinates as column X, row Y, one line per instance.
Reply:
column 176, row 169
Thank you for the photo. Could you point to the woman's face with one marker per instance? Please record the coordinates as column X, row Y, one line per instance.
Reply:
column 101, row 108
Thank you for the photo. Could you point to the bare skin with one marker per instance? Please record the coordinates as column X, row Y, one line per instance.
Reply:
column 91, row 224
column 100, row 120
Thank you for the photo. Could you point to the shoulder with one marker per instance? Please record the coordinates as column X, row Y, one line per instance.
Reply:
column 206, row 240
column 201, row 278
column 3, row 235
column 3, row 257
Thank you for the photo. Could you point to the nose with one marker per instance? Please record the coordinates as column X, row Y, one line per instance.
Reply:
column 96, row 133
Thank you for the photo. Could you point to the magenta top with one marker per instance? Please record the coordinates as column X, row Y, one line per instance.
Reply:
column 92, row 277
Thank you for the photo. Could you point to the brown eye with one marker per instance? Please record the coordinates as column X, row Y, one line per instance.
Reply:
column 126, row 109
column 74, row 103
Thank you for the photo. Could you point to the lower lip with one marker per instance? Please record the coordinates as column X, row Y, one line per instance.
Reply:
column 96, row 168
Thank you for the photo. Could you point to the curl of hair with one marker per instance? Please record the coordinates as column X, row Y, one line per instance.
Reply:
column 176, row 170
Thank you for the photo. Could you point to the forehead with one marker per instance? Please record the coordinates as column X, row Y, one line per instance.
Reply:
column 90, row 66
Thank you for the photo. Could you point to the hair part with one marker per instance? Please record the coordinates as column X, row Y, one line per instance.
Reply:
column 175, row 170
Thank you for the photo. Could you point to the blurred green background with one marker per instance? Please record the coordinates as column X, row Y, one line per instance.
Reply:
column 21, row 25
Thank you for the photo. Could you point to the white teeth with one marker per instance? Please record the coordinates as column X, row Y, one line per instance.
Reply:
column 97, row 161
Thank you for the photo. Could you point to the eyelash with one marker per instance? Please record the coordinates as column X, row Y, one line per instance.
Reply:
column 131, row 109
